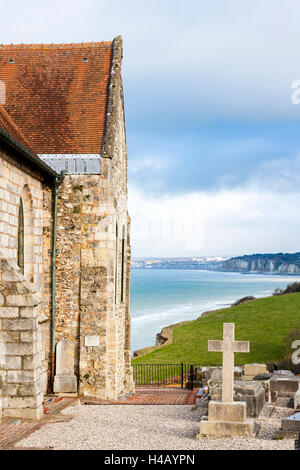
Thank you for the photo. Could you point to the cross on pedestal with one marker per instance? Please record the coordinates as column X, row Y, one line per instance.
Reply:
column 228, row 347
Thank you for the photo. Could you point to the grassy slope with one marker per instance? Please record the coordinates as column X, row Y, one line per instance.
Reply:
column 264, row 322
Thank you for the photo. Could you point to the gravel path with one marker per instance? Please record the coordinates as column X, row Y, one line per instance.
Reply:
column 149, row 427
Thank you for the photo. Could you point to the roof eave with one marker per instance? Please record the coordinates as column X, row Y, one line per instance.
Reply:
column 29, row 156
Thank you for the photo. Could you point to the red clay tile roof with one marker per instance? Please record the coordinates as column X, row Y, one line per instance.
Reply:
column 8, row 125
column 57, row 94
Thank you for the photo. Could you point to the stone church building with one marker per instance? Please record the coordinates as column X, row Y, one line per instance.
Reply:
column 64, row 225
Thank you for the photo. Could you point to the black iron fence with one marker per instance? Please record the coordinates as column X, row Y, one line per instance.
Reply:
column 179, row 375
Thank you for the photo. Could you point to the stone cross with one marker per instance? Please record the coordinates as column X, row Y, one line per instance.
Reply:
column 228, row 347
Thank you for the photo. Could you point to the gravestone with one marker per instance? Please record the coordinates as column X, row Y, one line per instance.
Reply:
column 251, row 370
column 65, row 380
column 290, row 427
column 297, row 400
column 283, row 372
column 227, row 418
column 252, row 393
column 284, row 386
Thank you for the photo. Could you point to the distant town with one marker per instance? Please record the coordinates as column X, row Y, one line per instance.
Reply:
column 178, row 263
column 273, row 263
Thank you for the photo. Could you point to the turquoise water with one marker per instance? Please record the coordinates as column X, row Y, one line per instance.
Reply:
column 161, row 297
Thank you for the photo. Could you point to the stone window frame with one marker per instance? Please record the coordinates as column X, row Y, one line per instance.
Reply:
column 27, row 201
column 20, row 245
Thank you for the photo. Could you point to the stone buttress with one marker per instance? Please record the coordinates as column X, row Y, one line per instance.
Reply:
column 22, row 357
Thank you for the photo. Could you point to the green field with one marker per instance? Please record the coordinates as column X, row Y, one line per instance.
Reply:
column 266, row 323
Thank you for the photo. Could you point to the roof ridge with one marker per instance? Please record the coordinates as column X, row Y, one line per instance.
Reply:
column 55, row 45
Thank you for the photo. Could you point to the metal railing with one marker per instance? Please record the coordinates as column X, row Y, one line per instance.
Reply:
column 166, row 374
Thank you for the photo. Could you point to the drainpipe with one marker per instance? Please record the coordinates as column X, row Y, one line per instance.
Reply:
column 53, row 306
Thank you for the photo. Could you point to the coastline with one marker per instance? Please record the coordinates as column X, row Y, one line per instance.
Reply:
column 260, row 273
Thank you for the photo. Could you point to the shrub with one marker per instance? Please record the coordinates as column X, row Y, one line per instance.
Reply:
column 278, row 291
column 290, row 289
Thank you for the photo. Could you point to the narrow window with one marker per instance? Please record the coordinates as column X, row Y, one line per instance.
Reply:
column 122, row 265
column 116, row 267
column 21, row 236
column 2, row 92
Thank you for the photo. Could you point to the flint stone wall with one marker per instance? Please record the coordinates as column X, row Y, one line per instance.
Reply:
column 90, row 309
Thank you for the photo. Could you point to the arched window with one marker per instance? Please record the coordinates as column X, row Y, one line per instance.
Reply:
column 116, row 266
column 27, row 244
column 20, row 254
column 122, row 265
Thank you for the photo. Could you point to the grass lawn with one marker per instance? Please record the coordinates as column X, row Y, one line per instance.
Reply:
column 266, row 323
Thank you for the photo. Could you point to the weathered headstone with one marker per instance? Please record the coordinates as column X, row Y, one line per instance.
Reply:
column 65, row 380
column 283, row 372
column 252, row 393
column 251, row 370
column 284, row 386
column 227, row 418
column 290, row 427
column 297, row 400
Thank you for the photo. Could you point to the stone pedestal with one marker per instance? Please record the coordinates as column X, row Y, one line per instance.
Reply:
column 65, row 381
column 226, row 420
column 65, row 384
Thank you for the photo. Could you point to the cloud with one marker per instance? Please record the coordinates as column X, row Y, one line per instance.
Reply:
column 212, row 132
column 245, row 219
column 206, row 59
column 148, row 163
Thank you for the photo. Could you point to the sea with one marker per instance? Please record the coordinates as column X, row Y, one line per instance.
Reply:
column 162, row 297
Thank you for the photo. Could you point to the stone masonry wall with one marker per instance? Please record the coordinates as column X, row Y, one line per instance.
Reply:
column 16, row 183
column 21, row 347
column 86, row 311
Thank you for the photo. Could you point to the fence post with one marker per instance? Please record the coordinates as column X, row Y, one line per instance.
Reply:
column 181, row 374
column 192, row 377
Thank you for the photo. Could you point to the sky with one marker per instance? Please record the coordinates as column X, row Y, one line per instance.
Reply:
column 212, row 102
